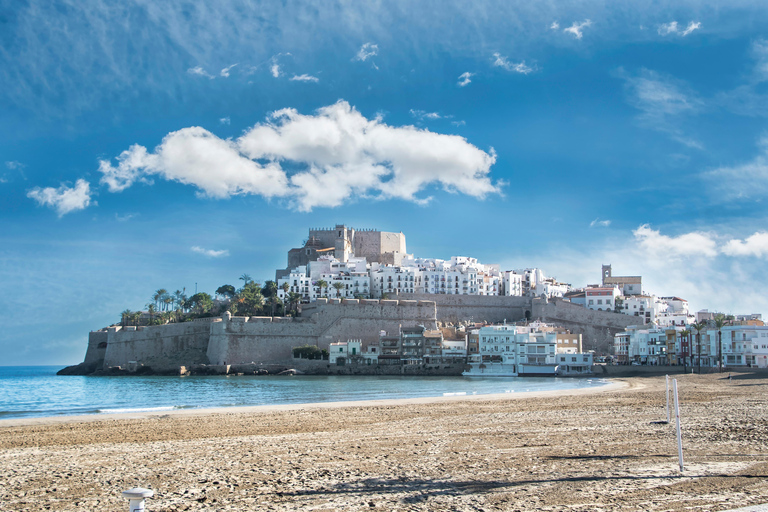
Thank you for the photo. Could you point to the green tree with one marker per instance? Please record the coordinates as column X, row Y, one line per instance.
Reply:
column 151, row 310
column 269, row 289
column 321, row 283
column 226, row 290
column 338, row 286
column 201, row 303
column 273, row 300
column 293, row 300
column 126, row 317
column 158, row 296
column 245, row 278
column 720, row 322
column 285, row 287
column 249, row 300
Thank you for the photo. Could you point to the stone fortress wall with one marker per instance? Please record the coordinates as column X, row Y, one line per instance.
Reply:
column 231, row 340
column 243, row 340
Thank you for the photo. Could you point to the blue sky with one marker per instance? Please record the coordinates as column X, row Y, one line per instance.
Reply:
column 167, row 144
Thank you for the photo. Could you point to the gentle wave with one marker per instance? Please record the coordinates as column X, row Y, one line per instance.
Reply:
column 139, row 409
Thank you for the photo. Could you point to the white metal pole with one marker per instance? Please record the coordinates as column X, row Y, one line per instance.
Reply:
column 668, row 418
column 679, row 432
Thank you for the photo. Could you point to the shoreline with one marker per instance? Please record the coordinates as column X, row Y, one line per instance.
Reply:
column 611, row 385
column 584, row 450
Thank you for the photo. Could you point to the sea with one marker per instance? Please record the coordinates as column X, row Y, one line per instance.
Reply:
column 36, row 391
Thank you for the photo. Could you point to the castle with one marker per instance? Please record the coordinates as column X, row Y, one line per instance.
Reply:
column 344, row 243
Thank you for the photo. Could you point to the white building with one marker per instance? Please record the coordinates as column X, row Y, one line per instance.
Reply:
column 511, row 284
column 601, row 298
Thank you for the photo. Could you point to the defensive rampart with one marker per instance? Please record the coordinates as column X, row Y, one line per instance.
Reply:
column 238, row 340
column 478, row 308
column 242, row 340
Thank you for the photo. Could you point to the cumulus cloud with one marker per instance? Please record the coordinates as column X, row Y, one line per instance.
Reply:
column 672, row 27
column 63, row 199
column 225, row 72
column 367, row 51
column 554, row 26
column 210, row 252
column 225, row 120
column 464, row 79
column 333, row 156
column 687, row 244
column 502, row 62
column 199, row 71
column 703, row 267
column 755, row 245
column 274, row 69
column 600, row 223
column 577, row 29
column 304, row 78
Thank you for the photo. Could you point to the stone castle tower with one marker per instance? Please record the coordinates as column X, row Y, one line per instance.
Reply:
column 343, row 243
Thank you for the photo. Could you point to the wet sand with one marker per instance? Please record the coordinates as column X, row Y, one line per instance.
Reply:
column 599, row 450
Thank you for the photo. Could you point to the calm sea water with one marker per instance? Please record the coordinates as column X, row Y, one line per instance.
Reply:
column 28, row 391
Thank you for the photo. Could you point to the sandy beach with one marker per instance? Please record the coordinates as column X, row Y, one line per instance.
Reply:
column 576, row 450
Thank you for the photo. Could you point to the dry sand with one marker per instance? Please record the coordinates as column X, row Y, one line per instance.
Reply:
column 565, row 451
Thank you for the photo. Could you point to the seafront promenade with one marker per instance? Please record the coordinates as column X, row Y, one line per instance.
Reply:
column 577, row 450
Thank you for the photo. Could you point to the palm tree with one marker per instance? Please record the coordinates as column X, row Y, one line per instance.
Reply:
column 339, row 286
column 151, row 310
column 285, row 287
column 274, row 300
column 246, row 279
column 720, row 321
column 158, row 296
column 293, row 300
column 321, row 284
column 699, row 326
column 126, row 315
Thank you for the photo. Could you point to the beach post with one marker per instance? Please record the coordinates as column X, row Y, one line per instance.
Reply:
column 679, row 432
column 137, row 495
column 668, row 399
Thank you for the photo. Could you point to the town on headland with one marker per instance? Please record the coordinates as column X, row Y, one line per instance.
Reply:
column 355, row 302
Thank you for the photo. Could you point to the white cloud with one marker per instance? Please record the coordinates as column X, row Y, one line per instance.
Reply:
column 706, row 275
column 554, row 26
column 126, row 217
column 464, row 79
column 335, row 156
column 600, row 223
column 686, row 245
column 668, row 28
column 458, row 123
column 422, row 115
column 743, row 181
column 663, row 102
column 3, row 179
column 225, row 120
column 225, row 72
column 274, row 69
column 14, row 165
column 577, row 28
column 672, row 28
column 199, row 71
column 518, row 67
column 210, row 252
column 304, row 78
column 694, row 25
column 755, row 245
column 367, row 51
column 63, row 199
